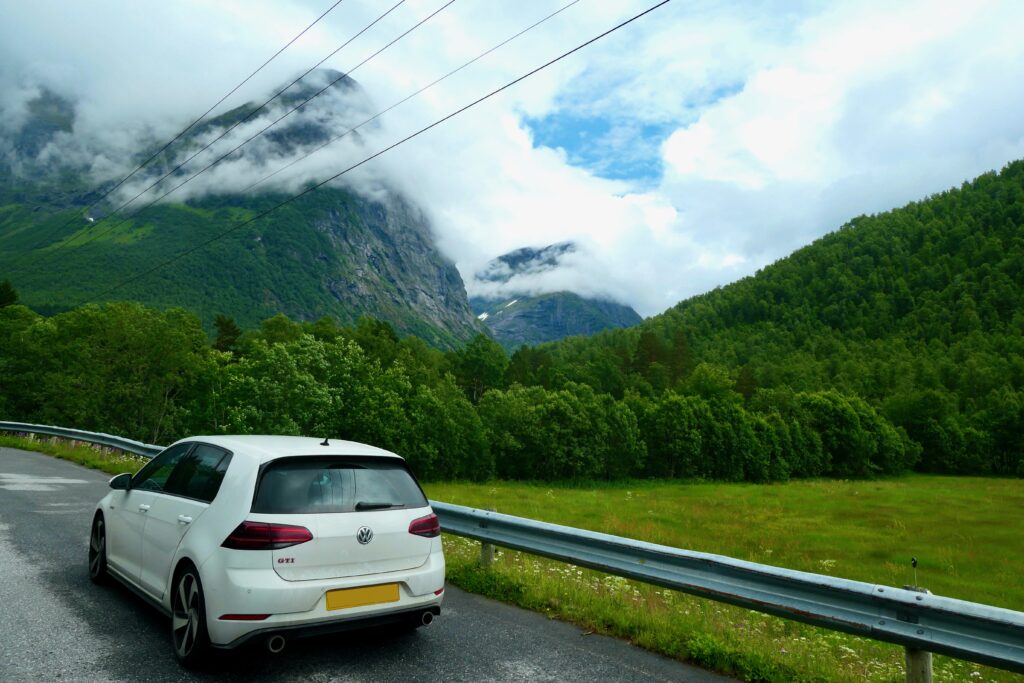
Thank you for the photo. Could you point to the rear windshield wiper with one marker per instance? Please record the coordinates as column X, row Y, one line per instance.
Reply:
column 366, row 505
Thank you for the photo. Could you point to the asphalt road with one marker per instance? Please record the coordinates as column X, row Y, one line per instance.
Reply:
column 56, row 625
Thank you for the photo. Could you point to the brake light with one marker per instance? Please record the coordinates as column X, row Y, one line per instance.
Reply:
column 264, row 536
column 428, row 526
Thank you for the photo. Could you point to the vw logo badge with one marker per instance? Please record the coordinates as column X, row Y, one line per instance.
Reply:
column 364, row 535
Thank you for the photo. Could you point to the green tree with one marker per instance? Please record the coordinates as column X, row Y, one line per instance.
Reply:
column 8, row 294
column 378, row 339
column 710, row 381
column 673, row 437
column 119, row 368
column 447, row 439
column 280, row 329
column 279, row 389
column 228, row 333
column 479, row 366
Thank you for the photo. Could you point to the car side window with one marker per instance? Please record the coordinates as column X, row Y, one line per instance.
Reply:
column 198, row 475
column 153, row 477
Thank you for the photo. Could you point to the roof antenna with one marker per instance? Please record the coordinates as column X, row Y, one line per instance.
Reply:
column 324, row 442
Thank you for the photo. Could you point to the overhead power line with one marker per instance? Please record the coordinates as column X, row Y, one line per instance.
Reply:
column 260, row 132
column 376, row 154
column 409, row 97
column 216, row 104
column 202, row 116
column 252, row 113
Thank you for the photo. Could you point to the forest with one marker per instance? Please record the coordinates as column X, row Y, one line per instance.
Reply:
column 893, row 344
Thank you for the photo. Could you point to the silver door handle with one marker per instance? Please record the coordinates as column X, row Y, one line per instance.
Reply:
column 184, row 519
column 143, row 508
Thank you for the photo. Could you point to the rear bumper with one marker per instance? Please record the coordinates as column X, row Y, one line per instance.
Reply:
column 301, row 606
column 321, row 628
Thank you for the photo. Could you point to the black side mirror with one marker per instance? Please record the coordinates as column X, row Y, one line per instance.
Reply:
column 121, row 482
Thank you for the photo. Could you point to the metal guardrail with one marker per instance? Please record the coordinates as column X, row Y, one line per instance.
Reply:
column 145, row 450
column 918, row 621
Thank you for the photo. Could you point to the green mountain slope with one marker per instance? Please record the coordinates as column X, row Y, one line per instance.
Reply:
column 919, row 310
column 332, row 253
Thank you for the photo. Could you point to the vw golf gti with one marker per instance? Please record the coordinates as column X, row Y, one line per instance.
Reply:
column 271, row 537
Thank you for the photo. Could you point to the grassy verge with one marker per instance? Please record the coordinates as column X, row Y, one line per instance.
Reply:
column 98, row 458
column 965, row 533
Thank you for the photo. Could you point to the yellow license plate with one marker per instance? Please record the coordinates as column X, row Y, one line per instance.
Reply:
column 359, row 597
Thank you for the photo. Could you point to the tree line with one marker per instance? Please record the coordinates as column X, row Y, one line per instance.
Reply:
column 155, row 376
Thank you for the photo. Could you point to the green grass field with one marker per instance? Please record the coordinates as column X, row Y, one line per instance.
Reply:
column 967, row 533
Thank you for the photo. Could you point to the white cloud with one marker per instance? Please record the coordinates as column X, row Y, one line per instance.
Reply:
column 785, row 120
column 872, row 106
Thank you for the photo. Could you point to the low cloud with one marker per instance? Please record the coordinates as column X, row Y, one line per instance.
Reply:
column 774, row 125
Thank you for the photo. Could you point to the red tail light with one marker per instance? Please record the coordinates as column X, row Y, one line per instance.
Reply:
column 263, row 536
column 428, row 526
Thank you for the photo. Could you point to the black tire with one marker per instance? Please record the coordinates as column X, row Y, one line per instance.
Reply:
column 98, row 551
column 189, row 636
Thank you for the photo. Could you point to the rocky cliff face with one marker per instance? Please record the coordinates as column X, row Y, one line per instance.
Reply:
column 334, row 252
column 515, row 319
column 548, row 317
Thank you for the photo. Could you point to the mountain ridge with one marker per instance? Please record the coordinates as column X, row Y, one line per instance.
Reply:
column 516, row 316
column 332, row 253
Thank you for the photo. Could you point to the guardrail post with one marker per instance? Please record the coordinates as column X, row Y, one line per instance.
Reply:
column 487, row 551
column 919, row 662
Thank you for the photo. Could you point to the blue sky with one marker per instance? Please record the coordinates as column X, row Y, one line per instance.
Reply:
column 604, row 146
column 612, row 144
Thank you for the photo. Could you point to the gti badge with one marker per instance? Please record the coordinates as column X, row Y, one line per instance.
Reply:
column 364, row 535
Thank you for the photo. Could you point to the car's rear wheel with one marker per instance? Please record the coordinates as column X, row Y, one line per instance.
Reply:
column 98, row 551
column 188, row 619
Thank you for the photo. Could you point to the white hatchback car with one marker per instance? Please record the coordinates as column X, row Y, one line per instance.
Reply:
column 271, row 537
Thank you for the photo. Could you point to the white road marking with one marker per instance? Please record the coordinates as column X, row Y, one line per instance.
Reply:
column 12, row 481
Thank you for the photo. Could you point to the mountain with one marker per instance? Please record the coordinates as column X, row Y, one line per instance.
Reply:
column 515, row 319
column 919, row 310
column 334, row 252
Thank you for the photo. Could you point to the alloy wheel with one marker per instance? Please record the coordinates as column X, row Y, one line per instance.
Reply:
column 97, row 551
column 185, row 619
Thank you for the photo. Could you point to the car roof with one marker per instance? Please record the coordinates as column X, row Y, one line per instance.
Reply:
column 265, row 447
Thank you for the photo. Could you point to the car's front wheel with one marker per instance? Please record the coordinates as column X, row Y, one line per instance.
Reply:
column 188, row 619
column 98, row 551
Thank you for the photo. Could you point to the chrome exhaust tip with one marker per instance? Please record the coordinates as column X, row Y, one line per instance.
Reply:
column 427, row 618
column 275, row 643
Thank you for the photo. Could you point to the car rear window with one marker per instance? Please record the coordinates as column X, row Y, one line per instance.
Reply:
column 338, row 484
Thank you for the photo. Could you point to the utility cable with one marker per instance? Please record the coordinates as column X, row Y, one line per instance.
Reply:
column 252, row 113
column 408, row 97
column 201, row 117
column 217, row 104
column 256, row 135
column 317, row 186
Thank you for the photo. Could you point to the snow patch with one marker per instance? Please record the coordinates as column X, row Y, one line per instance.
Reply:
column 483, row 316
column 511, row 302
